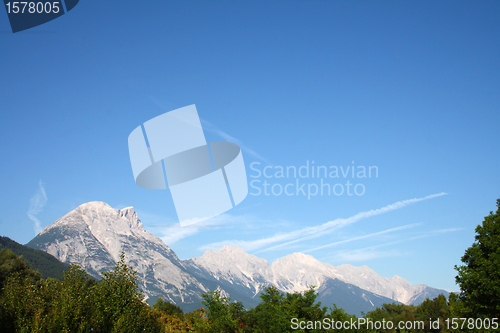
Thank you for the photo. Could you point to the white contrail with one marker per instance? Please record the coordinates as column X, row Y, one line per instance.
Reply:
column 329, row 227
column 208, row 126
column 316, row 231
column 212, row 128
column 369, row 253
column 37, row 202
column 408, row 226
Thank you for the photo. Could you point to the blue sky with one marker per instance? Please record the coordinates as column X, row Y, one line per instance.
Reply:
column 411, row 87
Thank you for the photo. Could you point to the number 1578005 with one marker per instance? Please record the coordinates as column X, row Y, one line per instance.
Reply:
column 33, row 7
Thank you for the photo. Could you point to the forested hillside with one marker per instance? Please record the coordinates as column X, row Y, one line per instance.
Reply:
column 40, row 261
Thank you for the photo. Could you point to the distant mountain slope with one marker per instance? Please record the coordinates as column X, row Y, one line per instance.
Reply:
column 427, row 292
column 351, row 298
column 396, row 287
column 41, row 261
column 232, row 267
column 297, row 272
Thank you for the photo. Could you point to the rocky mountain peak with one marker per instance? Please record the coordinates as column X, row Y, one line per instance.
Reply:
column 295, row 260
column 232, row 249
column 232, row 259
column 131, row 215
column 93, row 236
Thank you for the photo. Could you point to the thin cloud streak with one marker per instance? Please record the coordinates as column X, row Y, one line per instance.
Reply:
column 370, row 249
column 357, row 252
column 37, row 202
column 313, row 232
column 362, row 255
column 408, row 226
column 213, row 129
column 171, row 232
column 329, row 227
column 173, row 235
column 168, row 230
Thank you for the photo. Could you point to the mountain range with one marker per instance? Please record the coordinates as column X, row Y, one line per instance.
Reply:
column 94, row 234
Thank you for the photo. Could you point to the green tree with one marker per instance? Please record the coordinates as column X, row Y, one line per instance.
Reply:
column 436, row 309
column 270, row 314
column 303, row 306
column 168, row 308
column 340, row 315
column 77, row 303
column 118, row 301
column 276, row 310
column 455, row 307
column 479, row 277
column 75, row 310
column 10, row 264
column 17, row 279
column 394, row 313
column 196, row 320
column 221, row 313
column 25, row 303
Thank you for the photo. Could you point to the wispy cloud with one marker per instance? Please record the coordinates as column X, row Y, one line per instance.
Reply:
column 165, row 228
column 365, row 254
column 213, row 129
column 432, row 233
column 37, row 202
column 171, row 232
column 174, row 232
column 329, row 227
column 161, row 104
column 408, row 226
column 372, row 252
column 172, row 235
column 208, row 126
column 313, row 232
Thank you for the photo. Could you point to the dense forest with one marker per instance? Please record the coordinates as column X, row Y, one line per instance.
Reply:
column 79, row 303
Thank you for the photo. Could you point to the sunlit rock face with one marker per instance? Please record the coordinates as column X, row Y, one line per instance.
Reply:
column 93, row 236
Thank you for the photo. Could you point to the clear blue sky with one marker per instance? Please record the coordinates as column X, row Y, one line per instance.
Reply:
column 410, row 87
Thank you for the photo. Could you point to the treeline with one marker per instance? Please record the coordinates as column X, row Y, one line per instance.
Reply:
column 79, row 303
column 75, row 303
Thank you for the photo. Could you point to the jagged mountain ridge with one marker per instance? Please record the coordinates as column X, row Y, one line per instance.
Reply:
column 248, row 274
column 298, row 271
column 94, row 234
